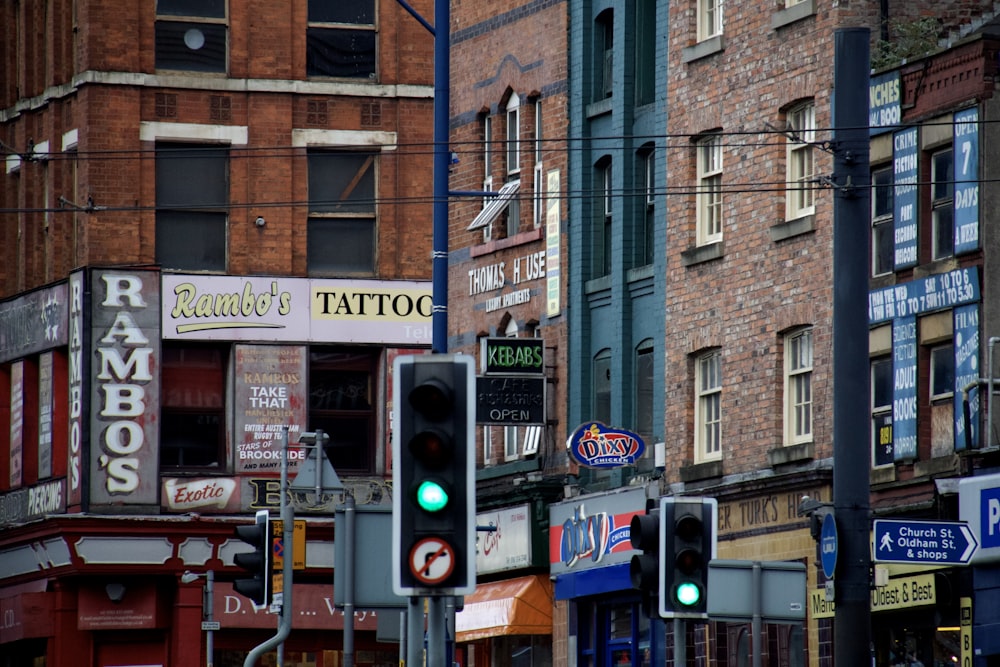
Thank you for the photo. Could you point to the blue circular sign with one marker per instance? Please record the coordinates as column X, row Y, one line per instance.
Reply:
column 828, row 545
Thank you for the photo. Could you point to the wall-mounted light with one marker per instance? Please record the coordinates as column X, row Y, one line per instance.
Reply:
column 115, row 591
column 260, row 221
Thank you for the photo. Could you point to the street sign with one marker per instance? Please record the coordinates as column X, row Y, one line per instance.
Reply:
column 211, row 625
column 928, row 542
column 828, row 545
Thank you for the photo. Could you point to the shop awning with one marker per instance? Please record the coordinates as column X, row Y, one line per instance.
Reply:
column 521, row 606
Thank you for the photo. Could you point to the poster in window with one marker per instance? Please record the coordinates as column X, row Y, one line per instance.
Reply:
column 966, row 345
column 270, row 394
column 16, row 423
column 966, row 166
column 904, row 207
column 904, row 388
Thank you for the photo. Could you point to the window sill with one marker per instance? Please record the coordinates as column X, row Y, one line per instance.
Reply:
column 791, row 453
column 599, row 108
column 520, row 238
column 703, row 49
column 597, row 285
column 699, row 471
column 941, row 466
column 791, row 228
column 790, row 15
column 702, row 253
column 641, row 273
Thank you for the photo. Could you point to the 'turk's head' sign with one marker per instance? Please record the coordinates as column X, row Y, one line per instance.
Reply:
column 597, row 446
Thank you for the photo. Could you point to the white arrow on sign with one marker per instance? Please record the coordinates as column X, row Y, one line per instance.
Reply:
column 973, row 544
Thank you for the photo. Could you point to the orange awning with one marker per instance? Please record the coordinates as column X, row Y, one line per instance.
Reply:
column 521, row 606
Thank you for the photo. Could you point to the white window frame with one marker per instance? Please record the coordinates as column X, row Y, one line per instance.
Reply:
column 487, row 171
column 538, row 200
column 709, row 195
column 649, row 206
column 800, row 200
column 947, row 351
column 879, row 410
column 882, row 220
column 709, row 19
column 511, row 434
column 513, row 146
column 798, row 346
column 942, row 209
column 708, row 407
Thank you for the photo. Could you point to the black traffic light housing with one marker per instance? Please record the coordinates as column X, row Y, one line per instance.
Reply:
column 433, row 475
column 257, row 587
column 689, row 538
column 646, row 535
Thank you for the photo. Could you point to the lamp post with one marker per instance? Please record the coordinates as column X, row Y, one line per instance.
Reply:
column 207, row 609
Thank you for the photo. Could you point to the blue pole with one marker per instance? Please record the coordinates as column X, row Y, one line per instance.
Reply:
column 442, row 157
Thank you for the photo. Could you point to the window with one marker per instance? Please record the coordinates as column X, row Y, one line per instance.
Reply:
column 709, row 215
column 882, row 224
column 942, row 213
column 881, row 394
column 798, row 387
column 800, row 200
column 193, row 401
column 645, row 52
column 341, row 39
column 341, row 226
column 191, row 35
column 341, row 400
column 510, row 433
column 602, row 387
column 942, row 371
column 192, row 196
column 709, row 19
column 604, row 33
column 647, row 169
column 487, row 171
column 538, row 213
column 602, row 256
column 708, row 407
column 644, row 374
column 513, row 135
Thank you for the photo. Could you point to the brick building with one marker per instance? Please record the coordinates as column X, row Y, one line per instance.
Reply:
column 213, row 231
column 507, row 300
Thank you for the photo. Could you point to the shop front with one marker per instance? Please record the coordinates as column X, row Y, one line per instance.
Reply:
column 589, row 552
column 507, row 621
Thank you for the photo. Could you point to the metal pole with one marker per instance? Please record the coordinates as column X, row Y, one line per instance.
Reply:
column 209, row 616
column 350, row 536
column 442, row 155
column 851, row 406
column 756, row 621
column 680, row 642
column 288, row 517
column 414, row 632
column 435, row 632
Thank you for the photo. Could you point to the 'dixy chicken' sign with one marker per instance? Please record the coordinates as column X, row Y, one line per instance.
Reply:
column 598, row 446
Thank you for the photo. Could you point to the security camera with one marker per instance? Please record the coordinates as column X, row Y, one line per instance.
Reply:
column 260, row 221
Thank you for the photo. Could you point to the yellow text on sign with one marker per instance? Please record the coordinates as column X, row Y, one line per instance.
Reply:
column 298, row 544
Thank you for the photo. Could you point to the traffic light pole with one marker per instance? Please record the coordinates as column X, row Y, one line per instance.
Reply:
column 288, row 517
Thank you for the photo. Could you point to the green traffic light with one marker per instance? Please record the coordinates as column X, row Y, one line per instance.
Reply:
column 688, row 594
column 431, row 496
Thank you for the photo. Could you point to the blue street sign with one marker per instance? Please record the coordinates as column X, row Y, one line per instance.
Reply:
column 828, row 545
column 937, row 542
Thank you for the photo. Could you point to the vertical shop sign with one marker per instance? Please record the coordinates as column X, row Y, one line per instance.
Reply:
column 966, row 336
column 904, row 205
column 270, row 395
column 45, row 408
column 966, row 165
column 125, row 342
column 78, row 366
column 552, row 248
column 16, row 424
column 904, row 394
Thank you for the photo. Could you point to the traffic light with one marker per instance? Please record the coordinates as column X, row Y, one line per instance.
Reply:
column 646, row 534
column 433, row 475
column 256, row 562
column 688, row 526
